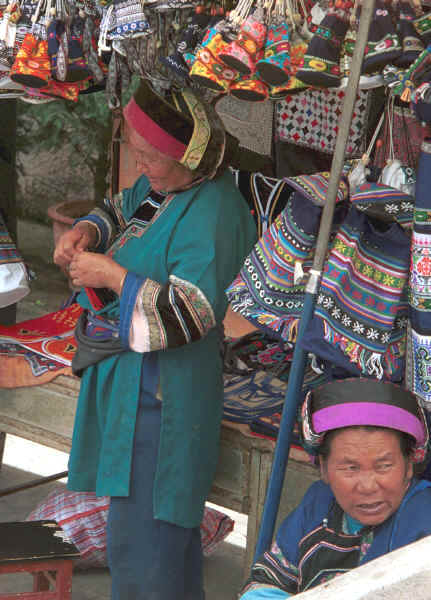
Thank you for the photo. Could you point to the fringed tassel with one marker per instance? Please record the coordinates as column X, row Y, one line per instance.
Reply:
column 286, row 327
column 394, row 358
column 298, row 273
column 368, row 362
column 373, row 365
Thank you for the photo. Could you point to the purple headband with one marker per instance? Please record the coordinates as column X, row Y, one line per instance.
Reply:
column 368, row 413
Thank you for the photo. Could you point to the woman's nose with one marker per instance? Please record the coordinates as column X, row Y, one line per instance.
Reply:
column 367, row 483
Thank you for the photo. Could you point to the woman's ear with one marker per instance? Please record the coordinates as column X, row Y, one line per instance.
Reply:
column 409, row 471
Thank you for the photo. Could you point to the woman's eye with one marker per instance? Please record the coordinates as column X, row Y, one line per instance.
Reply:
column 349, row 468
column 384, row 466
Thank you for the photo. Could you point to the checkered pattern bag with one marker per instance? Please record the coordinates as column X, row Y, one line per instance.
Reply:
column 311, row 119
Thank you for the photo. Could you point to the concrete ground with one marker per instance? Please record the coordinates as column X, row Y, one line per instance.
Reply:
column 24, row 460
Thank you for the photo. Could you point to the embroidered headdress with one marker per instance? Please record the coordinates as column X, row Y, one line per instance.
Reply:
column 180, row 125
column 362, row 402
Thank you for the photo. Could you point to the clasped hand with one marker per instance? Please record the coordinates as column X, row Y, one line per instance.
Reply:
column 87, row 269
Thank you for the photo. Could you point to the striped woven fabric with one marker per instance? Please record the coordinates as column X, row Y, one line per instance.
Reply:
column 361, row 307
column 314, row 187
column 268, row 290
column 83, row 517
column 384, row 202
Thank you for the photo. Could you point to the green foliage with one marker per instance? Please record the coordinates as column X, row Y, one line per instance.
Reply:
column 83, row 129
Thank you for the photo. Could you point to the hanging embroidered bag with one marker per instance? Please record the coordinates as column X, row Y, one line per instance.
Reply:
column 360, row 297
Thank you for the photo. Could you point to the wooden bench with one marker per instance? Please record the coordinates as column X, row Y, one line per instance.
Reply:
column 45, row 414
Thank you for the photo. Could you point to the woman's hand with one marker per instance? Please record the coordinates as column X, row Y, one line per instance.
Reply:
column 88, row 269
column 81, row 237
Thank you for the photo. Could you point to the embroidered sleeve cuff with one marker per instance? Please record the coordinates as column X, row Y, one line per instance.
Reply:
column 104, row 225
column 156, row 317
column 129, row 294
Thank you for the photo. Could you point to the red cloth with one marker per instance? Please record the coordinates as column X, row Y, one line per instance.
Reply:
column 51, row 335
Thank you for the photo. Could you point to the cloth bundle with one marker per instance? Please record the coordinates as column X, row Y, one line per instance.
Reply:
column 83, row 517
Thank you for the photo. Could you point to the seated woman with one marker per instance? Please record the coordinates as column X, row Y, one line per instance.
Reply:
column 367, row 435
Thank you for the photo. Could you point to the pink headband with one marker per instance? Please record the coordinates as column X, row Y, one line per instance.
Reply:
column 151, row 132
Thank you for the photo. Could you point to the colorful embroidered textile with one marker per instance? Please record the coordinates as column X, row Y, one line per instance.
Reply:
column 412, row 45
column 266, row 290
column 383, row 45
column 418, row 366
column 311, row 119
column 50, row 336
column 321, row 66
column 418, row 374
column 384, row 203
column 256, row 351
column 360, row 297
column 129, row 20
column 315, row 187
column 83, row 517
column 249, row 396
column 269, row 289
column 166, row 316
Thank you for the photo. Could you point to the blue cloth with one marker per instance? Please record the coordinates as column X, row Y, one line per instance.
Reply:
column 160, row 561
column 265, row 594
column 285, row 565
column 353, row 526
column 410, row 522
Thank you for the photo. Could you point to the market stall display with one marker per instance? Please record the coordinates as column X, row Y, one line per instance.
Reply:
column 289, row 59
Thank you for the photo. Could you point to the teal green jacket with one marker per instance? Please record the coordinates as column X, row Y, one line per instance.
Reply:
column 202, row 236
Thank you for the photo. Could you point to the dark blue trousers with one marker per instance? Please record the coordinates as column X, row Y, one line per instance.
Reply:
column 150, row 559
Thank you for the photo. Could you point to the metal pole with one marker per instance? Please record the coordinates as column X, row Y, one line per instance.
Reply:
column 31, row 484
column 8, row 116
column 296, row 378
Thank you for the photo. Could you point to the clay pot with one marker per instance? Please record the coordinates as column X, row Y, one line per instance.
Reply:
column 63, row 215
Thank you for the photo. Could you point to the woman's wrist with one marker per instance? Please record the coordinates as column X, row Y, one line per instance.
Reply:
column 91, row 230
column 120, row 278
column 123, row 279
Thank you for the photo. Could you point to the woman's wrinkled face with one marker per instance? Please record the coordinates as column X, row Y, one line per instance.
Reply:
column 367, row 473
column 164, row 173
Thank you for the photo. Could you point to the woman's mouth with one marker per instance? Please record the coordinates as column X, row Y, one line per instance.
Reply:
column 371, row 507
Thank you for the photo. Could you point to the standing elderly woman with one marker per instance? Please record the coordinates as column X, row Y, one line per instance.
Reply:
column 154, row 264
column 368, row 435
